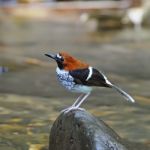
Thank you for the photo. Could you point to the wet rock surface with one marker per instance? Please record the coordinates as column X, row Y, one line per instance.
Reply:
column 79, row 130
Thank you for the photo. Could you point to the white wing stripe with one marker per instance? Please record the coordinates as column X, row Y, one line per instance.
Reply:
column 90, row 73
column 106, row 80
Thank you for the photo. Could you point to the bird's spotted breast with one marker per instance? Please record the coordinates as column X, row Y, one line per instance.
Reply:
column 65, row 79
column 68, row 82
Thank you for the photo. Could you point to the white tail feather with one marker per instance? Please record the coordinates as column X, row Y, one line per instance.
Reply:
column 123, row 93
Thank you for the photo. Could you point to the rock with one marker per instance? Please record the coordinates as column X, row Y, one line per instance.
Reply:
column 79, row 130
column 146, row 9
column 107, row 21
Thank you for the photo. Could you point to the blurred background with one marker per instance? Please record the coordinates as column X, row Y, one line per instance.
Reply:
column 111, row 35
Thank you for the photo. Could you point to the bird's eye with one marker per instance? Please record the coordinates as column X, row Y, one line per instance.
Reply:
column 60, row 57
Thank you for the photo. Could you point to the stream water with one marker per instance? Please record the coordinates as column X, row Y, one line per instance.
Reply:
column 31, row 98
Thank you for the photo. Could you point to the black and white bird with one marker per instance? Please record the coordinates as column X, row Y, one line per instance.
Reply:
column 77, row 76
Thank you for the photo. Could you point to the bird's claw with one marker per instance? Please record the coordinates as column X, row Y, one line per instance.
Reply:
column 71, row 108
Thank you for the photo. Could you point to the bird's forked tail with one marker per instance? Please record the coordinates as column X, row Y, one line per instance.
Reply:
column 123, row 93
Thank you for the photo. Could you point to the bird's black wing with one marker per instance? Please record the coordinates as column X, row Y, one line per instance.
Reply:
column 96, row 79
column 80, row 75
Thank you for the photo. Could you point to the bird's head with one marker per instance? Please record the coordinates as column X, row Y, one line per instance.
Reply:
column 67, row 62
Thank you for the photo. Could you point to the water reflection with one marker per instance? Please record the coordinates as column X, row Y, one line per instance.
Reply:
column 27, row 114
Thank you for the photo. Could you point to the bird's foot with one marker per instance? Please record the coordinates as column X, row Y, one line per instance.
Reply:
column 71, row 108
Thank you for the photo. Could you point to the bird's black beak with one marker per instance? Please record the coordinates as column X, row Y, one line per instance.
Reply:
column 57, row 58
column 51, row 56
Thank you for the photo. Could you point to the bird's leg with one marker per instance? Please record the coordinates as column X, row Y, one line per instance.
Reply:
column 74, row 104
column 78, row 100
column 82, row 100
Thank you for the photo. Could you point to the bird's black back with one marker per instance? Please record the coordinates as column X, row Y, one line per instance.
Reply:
column 96, row 79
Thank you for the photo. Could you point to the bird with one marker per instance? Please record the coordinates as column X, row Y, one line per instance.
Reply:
column 78, row 76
